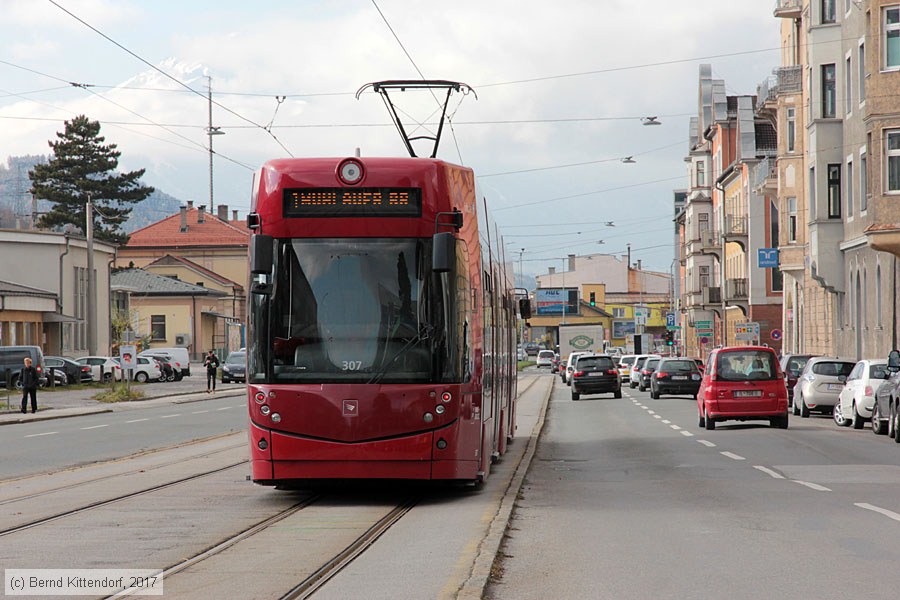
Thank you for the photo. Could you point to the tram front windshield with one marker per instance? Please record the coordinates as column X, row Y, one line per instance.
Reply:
column 354, row 311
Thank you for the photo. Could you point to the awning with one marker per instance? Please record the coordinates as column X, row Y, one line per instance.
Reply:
column 52, row 317
column 213, row 314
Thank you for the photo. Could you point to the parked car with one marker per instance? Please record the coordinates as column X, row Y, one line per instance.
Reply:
column 647, row 372
column 545, row 358
column 177, row 372
column 742, row 383
column 532, row 348
column 235, row 367
column 820, row 384
column 886, row 416
column 12, row 358
column 520, row 354
column 791, row 366
column 856, row 401
column 75, row 371
column 675, row 376
column 145, row 370
column 570, row 366
column 181, row 359
column 635, row 375
column 103, row 368
column 595, row 374
column 166, row 369
column 625, row 362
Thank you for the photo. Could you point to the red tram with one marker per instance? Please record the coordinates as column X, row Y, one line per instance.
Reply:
column 382, row 323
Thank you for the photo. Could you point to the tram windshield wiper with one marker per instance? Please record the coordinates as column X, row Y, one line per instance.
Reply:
column 423, row 335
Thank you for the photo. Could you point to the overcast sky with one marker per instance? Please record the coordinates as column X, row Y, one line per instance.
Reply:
column 575, row 77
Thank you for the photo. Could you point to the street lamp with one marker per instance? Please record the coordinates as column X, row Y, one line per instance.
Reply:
column 211, row 131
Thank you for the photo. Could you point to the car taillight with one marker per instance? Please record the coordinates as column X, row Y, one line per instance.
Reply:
column 661, row 374
column 39, row 369
column 612, row 372
column 85, row 369
column 869, row 391
column 646, row 371
column 578, row 373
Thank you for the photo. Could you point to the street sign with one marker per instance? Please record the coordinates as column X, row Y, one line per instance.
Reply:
column 703, row 324
column 775, row 334
column 747, row 332
column 767, row 258
column 670, row 319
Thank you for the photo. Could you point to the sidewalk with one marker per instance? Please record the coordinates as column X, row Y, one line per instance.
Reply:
column 74, row 403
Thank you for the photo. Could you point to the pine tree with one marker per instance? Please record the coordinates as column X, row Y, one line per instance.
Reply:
column 82, row 167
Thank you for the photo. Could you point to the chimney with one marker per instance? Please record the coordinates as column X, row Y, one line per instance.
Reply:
column 223, row 212
column 571, row 262
column 552, row 270
column 184, row 210
column 234, row 216
column 201, row 214
column 639, row 264
column 190, row 204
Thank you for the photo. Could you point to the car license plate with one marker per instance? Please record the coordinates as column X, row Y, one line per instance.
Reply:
column 835, row 387
column 594, row 374
column 747, row 393
column 679, row 377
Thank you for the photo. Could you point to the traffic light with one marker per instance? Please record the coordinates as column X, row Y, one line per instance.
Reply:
column 670, row 338
column 593, row 299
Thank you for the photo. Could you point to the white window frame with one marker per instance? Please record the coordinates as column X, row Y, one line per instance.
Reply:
column 701, row 173
column 618, row 313
column 848, row 84
column 791, row 117
column 885, row 28
column 863, row 180
column 792, row 219
column 848, row 183
column 861, row 72
column 888, row 155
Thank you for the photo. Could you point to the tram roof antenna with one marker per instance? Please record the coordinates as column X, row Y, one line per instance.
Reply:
column 385, row 87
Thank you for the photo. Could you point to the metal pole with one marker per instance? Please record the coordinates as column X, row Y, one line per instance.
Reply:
column 209, row 131
column 92, row 280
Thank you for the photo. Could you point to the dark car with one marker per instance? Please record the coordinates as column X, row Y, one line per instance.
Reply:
column 647, row 371
column 554, row 364
column 75, row 372
column 675, row 376
column 595, row 374
column 166, row 368
column 792, row 365
column 235, row 367
column 12, row 359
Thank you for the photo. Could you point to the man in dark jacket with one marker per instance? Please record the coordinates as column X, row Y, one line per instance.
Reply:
column 212, row 366
column 29, row 377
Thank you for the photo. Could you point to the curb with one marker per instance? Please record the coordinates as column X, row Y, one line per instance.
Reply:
column 64, row 413
column 475, row 586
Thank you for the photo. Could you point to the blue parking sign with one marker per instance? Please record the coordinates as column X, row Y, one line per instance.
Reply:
column 670, row 319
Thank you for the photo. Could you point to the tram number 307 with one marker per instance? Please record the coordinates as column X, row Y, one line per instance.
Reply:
column 351, row 365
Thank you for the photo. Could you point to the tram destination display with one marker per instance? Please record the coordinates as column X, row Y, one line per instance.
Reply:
column 352, row 202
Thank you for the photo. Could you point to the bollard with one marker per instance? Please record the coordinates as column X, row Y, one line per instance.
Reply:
column 52, row 371
column 101, row 374
column 8, row 386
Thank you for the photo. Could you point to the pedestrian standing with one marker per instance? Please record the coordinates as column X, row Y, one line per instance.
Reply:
column 212, row 366
column 29, row 378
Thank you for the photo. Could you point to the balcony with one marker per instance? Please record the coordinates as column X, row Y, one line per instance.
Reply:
column 765, row 176
column 712, row 295
column 710, row 243
column 790, row 80
column 788, row 9
column 736, row 289
column 767, row 92
column 736, row 230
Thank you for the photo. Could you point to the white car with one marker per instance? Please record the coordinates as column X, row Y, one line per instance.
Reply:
column 110, row 368
column 146, row 369
column 625, row 363
column 634, row 377
column 545, row 358
column 857, row 399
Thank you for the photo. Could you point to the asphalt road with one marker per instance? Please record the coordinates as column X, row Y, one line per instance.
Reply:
column 629, row 498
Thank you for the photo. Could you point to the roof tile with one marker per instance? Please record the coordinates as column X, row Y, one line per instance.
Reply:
column 211, row 232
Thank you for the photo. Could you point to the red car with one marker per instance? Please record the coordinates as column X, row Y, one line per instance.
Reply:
column 743, row 383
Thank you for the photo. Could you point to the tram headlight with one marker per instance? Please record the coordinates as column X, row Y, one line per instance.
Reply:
column 350, row 171
column 276, row 418
column 428, row 418
column 439, row 409
column 264, row 409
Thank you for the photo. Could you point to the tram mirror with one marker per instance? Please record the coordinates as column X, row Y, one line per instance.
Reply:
column 525, row 308
column 444, row 252
column 893, row 363
column 260, row 254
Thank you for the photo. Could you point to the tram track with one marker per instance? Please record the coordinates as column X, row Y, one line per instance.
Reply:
column 115, row 499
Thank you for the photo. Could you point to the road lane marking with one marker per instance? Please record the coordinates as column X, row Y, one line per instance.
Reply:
column 199, row 412
column 170, row 416
column 137, row 420
column 732, row 455
column 687, row 434
column 666, row 421
column 651, row 412
column 657, row 417
column 94, row 427
column 675, row 427
column 769, row 471
column 812, row 486
column 706, row 443
column 888, row 513
column 224, row 408
column 40, row 434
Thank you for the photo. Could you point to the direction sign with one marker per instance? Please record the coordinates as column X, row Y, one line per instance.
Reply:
column 703, row 324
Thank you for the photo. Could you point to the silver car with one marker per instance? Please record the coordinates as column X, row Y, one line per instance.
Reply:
column 820, row 383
